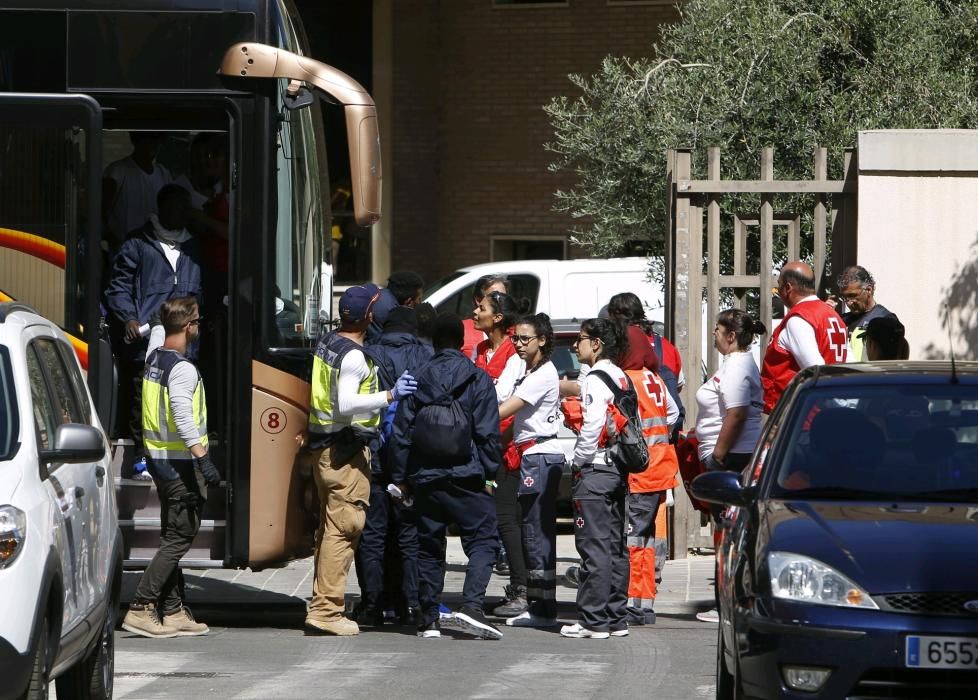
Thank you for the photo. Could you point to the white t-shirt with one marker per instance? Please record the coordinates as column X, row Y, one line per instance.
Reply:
column 514, row 368
column 135, row 195
column 736, row 383
column 540, row 414
column 595, row 397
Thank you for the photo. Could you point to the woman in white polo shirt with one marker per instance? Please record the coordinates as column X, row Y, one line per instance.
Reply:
column 728, row 420
column 535, row 406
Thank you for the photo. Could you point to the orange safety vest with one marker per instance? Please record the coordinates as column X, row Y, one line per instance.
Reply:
column 663, row 464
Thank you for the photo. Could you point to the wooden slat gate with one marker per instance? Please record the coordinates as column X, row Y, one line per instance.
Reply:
column 695, row 282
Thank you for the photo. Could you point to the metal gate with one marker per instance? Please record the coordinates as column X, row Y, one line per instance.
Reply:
column 704, row 280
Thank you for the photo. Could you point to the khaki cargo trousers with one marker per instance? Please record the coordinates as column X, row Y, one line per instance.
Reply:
column 343, row 482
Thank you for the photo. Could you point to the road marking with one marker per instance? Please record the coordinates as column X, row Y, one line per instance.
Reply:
column 550, row 675
column 132, row 667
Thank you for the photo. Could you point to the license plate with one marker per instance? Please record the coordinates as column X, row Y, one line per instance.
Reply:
column 942, row 652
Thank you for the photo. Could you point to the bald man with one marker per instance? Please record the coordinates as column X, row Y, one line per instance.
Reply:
column 812, row 333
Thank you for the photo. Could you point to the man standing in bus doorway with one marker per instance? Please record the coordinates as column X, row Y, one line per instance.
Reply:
column 174, row 416
column 403, row 289
column 156, row 263
column 344, row 416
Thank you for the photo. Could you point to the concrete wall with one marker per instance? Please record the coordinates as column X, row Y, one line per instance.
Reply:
column 918, row 234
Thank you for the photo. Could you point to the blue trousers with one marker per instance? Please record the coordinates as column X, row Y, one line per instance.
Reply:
column 465, row 503
column 539, row 480
column 599, row 533
column 382, row 512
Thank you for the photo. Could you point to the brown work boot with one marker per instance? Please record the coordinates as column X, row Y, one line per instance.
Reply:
column 143, row 620
column 341, row 627
column 183, row 623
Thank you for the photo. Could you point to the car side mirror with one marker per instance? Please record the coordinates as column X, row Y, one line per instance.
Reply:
column 75, row 443
column 723, row 488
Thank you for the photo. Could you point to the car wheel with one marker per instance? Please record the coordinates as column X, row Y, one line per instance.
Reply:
column 92, row 678
column 728, row 685
column 37, row 689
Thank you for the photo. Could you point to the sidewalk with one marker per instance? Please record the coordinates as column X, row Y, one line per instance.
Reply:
column 685, row 589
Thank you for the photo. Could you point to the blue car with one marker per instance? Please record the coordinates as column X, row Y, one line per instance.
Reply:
column 848, row 564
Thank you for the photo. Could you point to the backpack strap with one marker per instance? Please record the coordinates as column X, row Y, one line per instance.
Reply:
column 657, row 342
column 609, row 382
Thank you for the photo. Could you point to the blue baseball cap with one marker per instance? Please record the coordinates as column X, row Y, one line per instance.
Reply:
column 357, row 301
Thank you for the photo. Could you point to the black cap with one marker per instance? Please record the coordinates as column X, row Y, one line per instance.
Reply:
column 884, row 330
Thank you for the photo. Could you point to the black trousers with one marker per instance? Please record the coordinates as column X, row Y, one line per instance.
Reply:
column 383, row 512
column 509, row 515
column 181, row 503
column 465, row 503
column 599, row 533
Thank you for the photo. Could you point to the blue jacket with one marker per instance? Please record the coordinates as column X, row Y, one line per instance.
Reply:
column 142, row 277
column 392, row 354
column 448, row 370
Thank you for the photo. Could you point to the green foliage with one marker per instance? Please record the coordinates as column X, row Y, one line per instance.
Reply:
column 793, row 74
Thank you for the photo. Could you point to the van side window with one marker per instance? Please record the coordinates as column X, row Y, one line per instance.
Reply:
column 462, row 303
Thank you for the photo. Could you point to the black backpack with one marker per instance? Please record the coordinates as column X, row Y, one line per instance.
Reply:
column 629, row 452
column 672, row 384
column 443, row 431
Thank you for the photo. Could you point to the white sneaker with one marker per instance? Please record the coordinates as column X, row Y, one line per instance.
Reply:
column 620, row 633
column 575, row 631
column 528, row 619
column 708, row 616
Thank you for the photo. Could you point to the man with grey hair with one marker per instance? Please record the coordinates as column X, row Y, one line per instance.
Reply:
column 856, row 288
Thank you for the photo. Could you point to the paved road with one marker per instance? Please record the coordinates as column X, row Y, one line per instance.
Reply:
column 671, row 660
column 257, row 649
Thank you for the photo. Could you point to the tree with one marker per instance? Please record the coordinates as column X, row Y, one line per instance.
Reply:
column 788, row 73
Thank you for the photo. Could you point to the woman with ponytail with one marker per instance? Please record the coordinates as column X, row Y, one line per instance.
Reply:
column 536, row 462
column 495, row 315
column 599, row 489
column 728, row 419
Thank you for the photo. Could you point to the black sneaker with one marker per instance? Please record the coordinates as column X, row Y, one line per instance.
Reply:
column 370, row 616
column 473, row 621
column 515, row 603
column 501, row 566
column 411, row 616
column 572, row 576
column 430, row 631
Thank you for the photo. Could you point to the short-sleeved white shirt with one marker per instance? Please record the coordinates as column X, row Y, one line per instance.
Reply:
column 540, row 415
column 736, row 383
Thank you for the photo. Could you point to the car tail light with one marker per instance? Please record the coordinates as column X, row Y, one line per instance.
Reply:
column 13, row 530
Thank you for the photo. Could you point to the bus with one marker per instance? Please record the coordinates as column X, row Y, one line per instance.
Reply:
column 79, row 83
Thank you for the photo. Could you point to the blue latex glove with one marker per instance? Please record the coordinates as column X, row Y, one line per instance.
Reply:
column 404, row 386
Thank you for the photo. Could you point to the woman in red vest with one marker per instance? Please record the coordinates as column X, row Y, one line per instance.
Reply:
column 495, row 315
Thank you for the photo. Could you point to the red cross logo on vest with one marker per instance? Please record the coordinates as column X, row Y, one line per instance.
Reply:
column 837, row 339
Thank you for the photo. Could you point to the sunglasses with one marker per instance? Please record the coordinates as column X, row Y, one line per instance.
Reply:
column 586, row 337
column 522, row 339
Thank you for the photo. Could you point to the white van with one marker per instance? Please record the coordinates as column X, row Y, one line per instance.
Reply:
column 563, row 289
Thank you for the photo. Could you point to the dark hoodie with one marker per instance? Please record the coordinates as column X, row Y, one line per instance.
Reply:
column 393, row 354
column 447, row 371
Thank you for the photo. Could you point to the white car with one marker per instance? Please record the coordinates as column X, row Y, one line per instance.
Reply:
column 60, row 545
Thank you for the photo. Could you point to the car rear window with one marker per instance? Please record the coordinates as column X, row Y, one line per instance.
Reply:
column 9, row 423
column 917, row 442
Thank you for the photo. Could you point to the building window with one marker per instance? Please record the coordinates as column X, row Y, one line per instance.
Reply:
column 516, row 247
column 530, row 3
